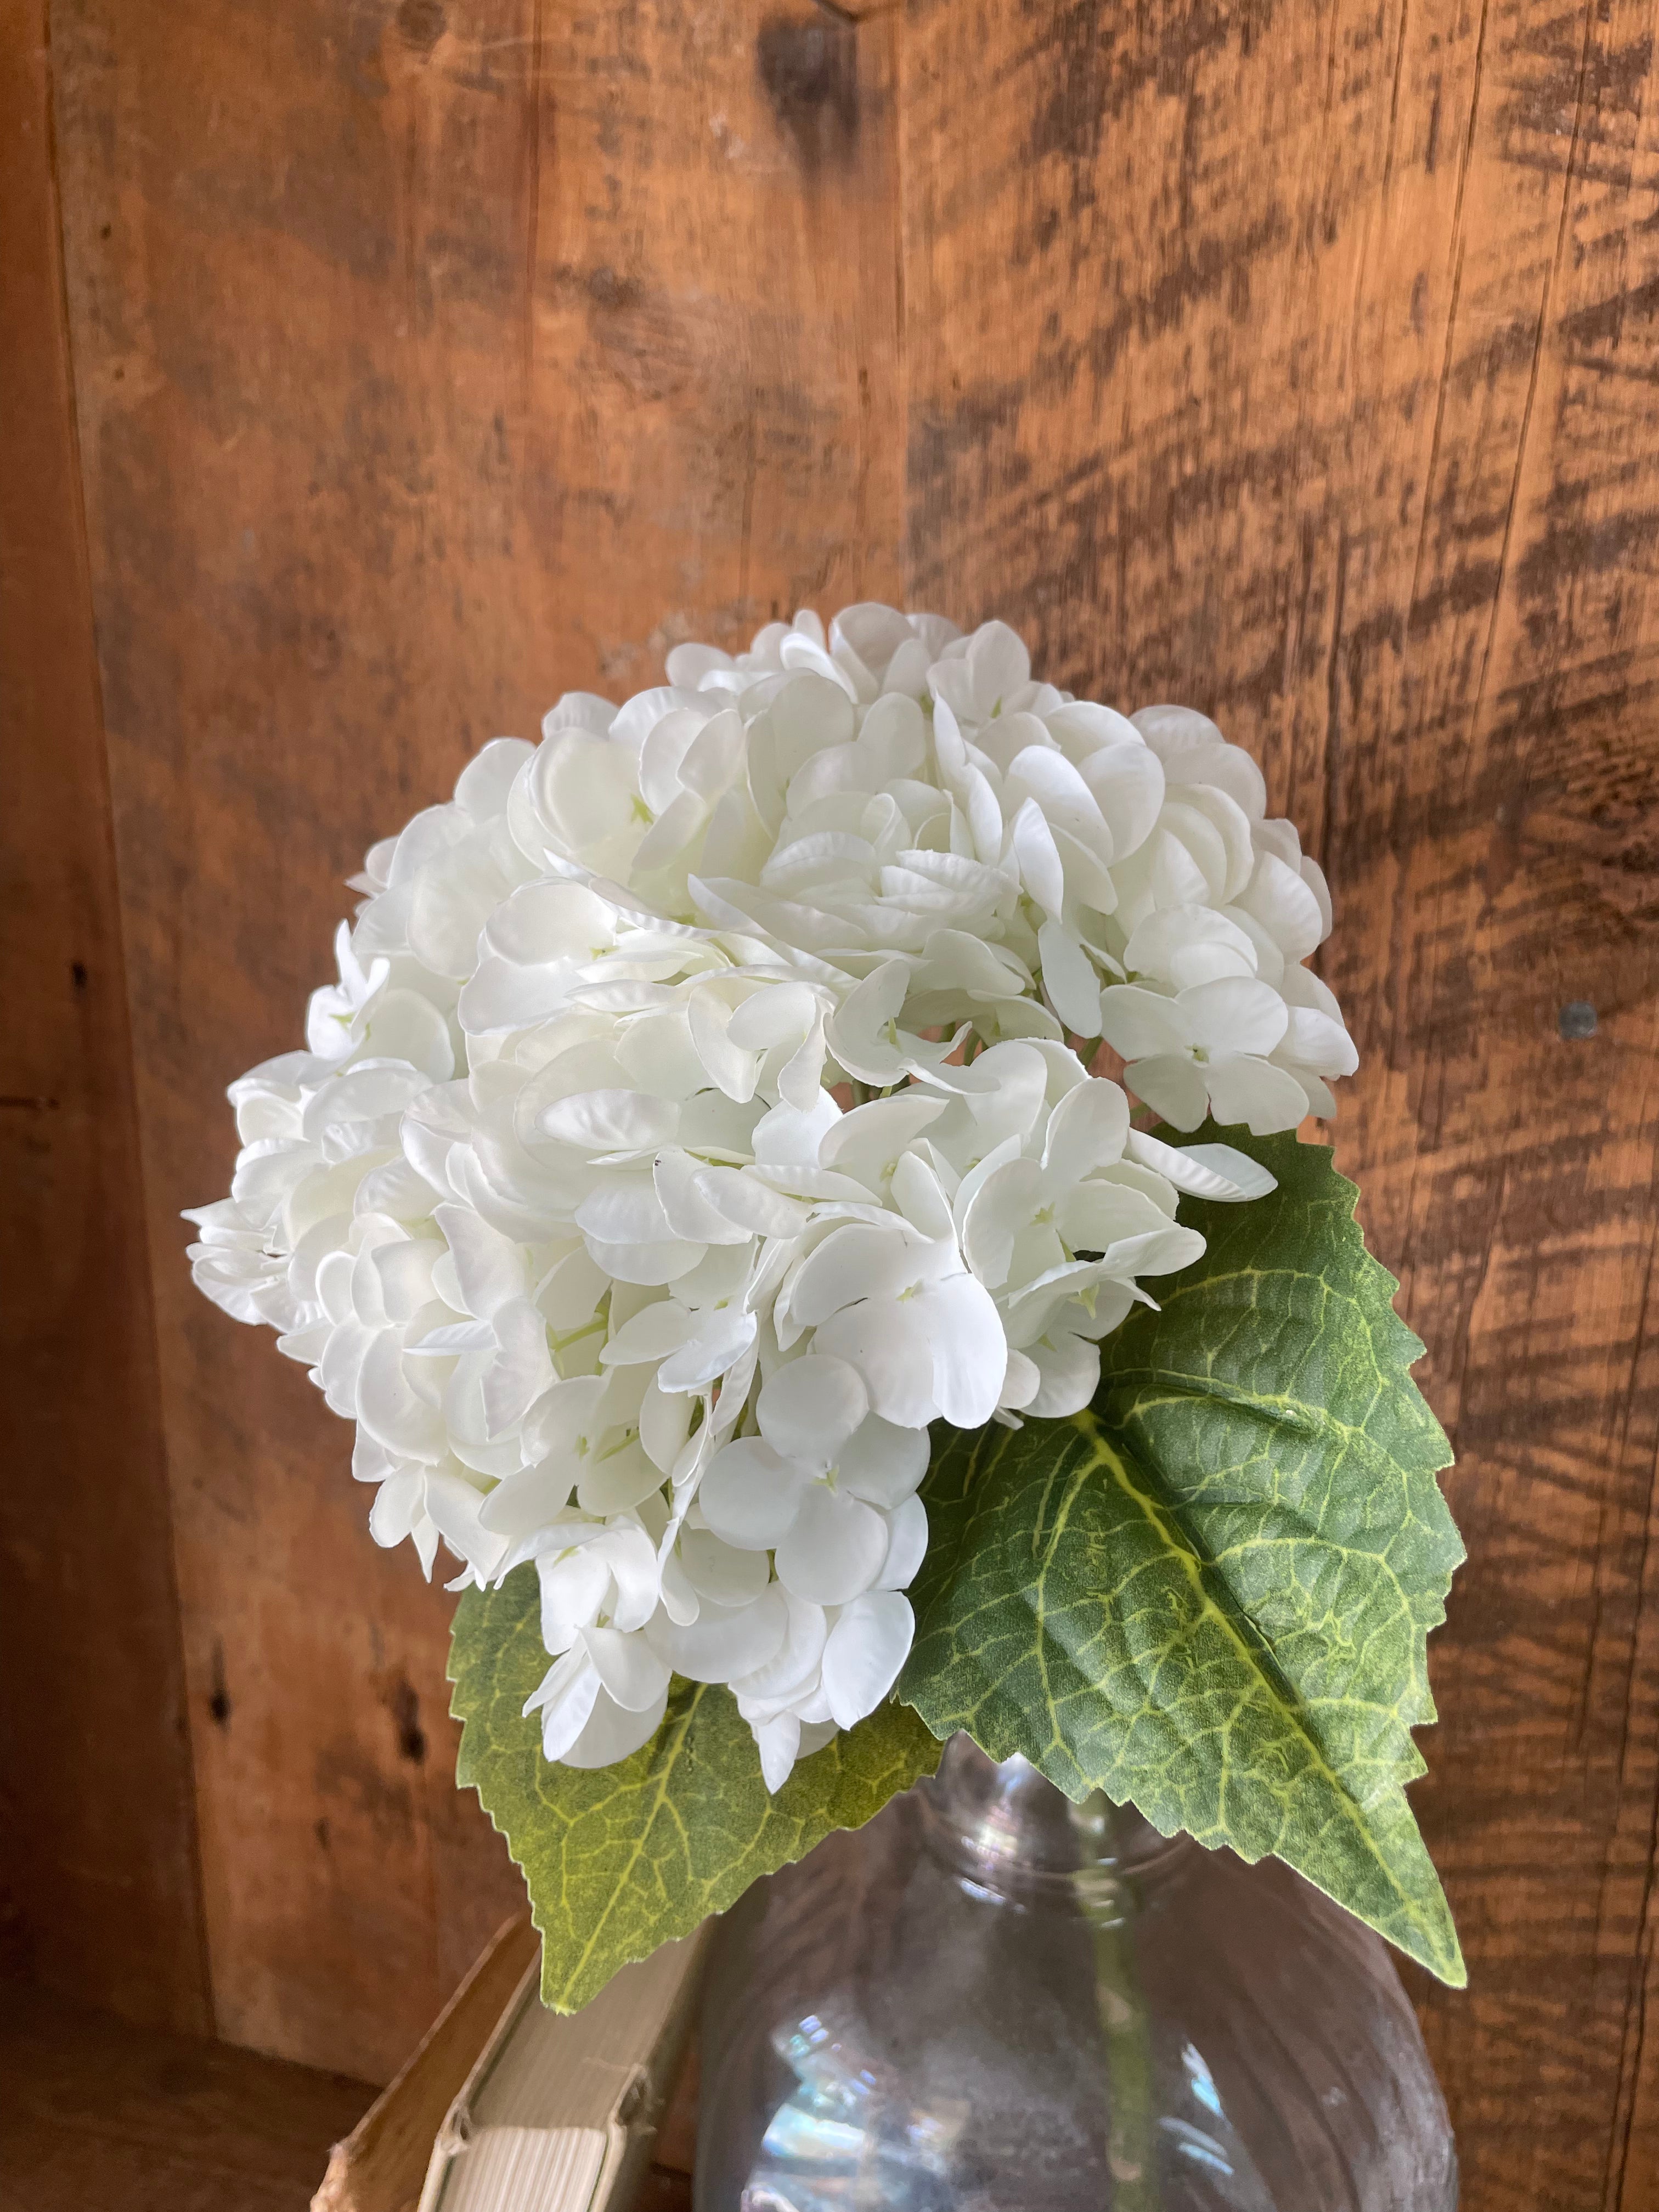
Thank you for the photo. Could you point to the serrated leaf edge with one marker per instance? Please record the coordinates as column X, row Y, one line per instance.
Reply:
column 1441, row 1952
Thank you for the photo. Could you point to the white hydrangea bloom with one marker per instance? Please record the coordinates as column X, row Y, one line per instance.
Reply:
column 702, row 1111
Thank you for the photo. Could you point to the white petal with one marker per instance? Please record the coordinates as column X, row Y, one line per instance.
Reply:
column 1216, row 1172
column 504, row 996
column 997, row 663
column 530, row 1500
column 569, row 1294
column 835, row 1548
column 1314, row 1041
column 888, row 1341
column 1313, row 876
column 632, row 1558
column 483, row 784
column 719, row 1570
column 1155, row 1252
column 1087, row 1130
column 1068, row 806
column 1070, row 1367
column 391, row 1411
column 581, row 792
column 1139, row 1024
column 858, row 1261
column 1172, row 1085
column 777, row 1741
column 725, row 1333
column 882, row 1464
column 917, row 1194
column 858, row 1028
column 1020, row 1384
column 655, row 1053
column 1127, row 783
column 664, row 1423
column 651, row 1334
column 750, row 1496
column 551, row 922
column 613, row 1732
column 618, row 1482
column 403, row 1025
column 1264, row 1097
column 724, row 1641
column 1092, row 1216
column 734, row 1070
column 452, row 896
column 629, row 1670
column 1321, row 1100
column 1039, row 860
column 679, row 1600
column 867, row 1142
column 780, row 1013
column 685, row 1207
column 490, row 1269
column 970, row 1353
column 1184, row 946
column 451, row 1340
column 1069, row 979
column 793, row 1667
column 1235, row 1014
column 1286, row 906
column 610, row 1120
column 1002, row 1206
column 565, row 1698
column 808, row 1409
column 907, row 1544
column 866, row 1647
column 574, row 1585
column 399, row 1504
column 789, row 1137
column 521, row 1369
column 748, row 1205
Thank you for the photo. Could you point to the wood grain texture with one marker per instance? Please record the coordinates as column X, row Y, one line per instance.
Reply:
column 100, row 2117
column 98, row 1882
column 432, row 360
column 1295, row 361
column 1300, row 364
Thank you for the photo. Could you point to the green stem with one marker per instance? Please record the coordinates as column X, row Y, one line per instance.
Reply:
column 1131, row 2148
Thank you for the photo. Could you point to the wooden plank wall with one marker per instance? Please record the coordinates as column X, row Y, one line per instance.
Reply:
column 1295, row 361
column 97, row 1871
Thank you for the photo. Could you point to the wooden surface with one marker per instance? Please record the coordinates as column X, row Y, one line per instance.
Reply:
column 433, row 356
column 98, row 1879
column 98, row 2116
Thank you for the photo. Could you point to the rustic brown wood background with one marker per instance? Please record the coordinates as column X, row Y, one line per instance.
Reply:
column 374, row 371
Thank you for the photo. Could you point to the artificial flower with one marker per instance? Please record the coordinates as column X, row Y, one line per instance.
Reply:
column 704, row 1107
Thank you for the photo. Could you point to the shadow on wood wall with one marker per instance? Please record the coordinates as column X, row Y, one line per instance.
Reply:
column 410, row 364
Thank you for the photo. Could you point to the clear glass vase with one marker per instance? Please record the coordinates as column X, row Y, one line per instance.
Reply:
column 992, row 1998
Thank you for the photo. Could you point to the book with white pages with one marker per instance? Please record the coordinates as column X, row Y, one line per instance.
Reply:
column 561, row 2110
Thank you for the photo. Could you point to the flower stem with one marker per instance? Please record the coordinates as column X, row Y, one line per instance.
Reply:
column 1130, row 2149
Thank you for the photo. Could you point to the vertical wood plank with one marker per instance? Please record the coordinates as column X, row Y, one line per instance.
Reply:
column 435, row 357
column 98, row 1885
column 1300, row 364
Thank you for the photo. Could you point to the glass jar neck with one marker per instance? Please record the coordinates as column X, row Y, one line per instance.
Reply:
column 1013, row 1833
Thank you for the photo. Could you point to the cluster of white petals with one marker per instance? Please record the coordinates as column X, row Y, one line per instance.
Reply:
column 703, row 1109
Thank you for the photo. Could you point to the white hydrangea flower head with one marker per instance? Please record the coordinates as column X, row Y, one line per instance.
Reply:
column 704, row 1108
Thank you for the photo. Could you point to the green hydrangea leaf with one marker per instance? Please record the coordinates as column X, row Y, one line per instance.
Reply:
column 622, row 1859
column 1210, row 1594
